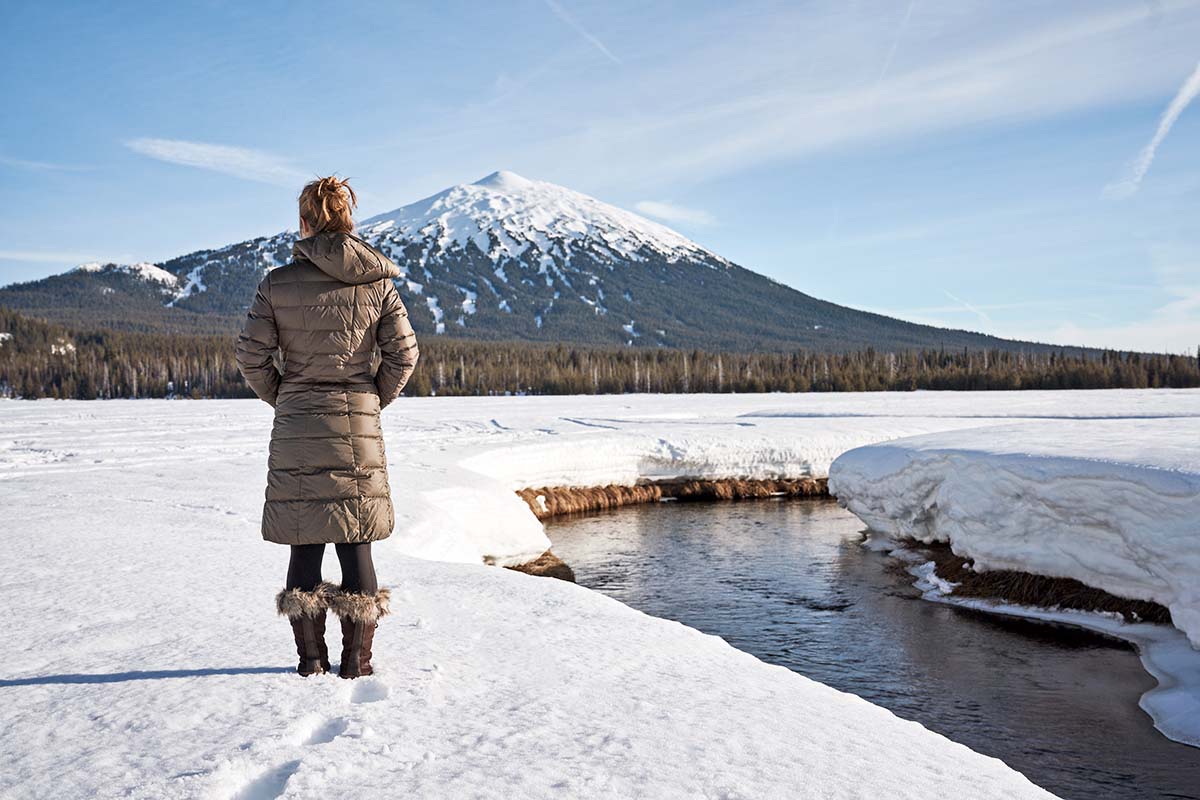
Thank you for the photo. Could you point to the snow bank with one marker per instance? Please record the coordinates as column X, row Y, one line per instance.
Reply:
column 146, row 660
column 1112, row 503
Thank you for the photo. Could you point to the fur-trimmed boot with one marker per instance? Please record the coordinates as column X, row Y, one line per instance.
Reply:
column 360, row 615
column 306, row 612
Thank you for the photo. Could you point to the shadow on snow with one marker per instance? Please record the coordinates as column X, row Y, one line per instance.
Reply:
column 141, row 675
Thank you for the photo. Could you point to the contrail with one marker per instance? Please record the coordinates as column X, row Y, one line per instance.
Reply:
column 974, row 310
column 1141, row 164
column 562, row 14
column 896, row 41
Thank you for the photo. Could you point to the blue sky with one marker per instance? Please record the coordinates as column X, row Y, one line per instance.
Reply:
column 1028, row 169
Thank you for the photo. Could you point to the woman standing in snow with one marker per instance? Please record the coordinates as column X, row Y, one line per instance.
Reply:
column 309, row 346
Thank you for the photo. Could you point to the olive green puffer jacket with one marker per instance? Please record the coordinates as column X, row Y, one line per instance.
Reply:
column 309, row 347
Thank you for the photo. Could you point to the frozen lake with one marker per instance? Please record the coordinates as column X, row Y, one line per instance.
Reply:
column 790, row 583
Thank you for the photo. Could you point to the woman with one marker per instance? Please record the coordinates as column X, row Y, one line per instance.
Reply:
column 310, row 345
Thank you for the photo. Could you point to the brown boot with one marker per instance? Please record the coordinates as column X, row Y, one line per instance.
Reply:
column 306, row 612
column 360, row 615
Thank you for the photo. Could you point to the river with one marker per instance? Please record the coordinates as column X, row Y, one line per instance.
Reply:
column 790, row 582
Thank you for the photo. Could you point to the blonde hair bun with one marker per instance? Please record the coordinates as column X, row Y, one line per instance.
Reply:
column 327, row 205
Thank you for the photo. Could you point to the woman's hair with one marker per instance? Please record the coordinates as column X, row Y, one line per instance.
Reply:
column 326, row 204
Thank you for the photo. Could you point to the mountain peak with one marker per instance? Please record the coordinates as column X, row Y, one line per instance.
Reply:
column 504, row 180
column 507, row 217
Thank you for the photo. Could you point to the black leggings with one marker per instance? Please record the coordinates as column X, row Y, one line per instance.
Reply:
column 358, row 571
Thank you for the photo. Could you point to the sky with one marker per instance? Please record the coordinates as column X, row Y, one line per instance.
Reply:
column 1023, row 168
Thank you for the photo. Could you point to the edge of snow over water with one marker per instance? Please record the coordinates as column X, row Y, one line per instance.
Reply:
column 1165, row 652
column 1113, row 503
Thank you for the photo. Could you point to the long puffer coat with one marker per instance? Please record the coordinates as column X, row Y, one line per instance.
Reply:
column 328, row 317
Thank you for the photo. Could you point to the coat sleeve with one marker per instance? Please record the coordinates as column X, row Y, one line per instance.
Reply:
column 257, row 345
column 397, row 347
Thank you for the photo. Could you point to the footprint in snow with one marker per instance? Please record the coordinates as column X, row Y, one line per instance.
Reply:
column 329, row 731
column 269, row 785
column 369, row 690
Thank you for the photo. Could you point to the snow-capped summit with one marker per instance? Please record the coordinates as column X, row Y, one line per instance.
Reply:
column 507, row 216
column 504, row 180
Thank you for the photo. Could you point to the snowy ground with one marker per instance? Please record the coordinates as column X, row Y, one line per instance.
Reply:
column 144, row 659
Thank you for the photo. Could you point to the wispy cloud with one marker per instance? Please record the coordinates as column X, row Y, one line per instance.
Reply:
column 1020, row 305
column 673, row 213
column 1171, row 325
column 692, row 117
column 1141, row 165
column 566, row 17
column 240, row 162
column 47, row 257
column 43, row 166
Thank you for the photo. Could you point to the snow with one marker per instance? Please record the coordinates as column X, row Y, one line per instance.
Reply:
column 4, row 337
column 929, row 582
column 195, row 284
column 469, row 298
column 151, row 272
column 524, row 215
column 146, row 660
column 1113, row 503
column 438, row 314
column 143, row 270
column 163, row 685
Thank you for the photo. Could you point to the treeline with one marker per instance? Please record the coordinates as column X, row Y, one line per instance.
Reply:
column 39, row 359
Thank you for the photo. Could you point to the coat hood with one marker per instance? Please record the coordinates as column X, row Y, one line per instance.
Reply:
column 345, row 258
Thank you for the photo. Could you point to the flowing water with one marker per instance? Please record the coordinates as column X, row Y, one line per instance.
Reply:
column 790, row 582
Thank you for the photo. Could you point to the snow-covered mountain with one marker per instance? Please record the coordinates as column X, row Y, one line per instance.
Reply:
column 511, row 218
column 506, row 257
column 531, row 251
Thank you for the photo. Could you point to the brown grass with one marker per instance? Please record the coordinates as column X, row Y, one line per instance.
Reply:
column 561, row 500
column 1024, row 588
column 547, row 565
